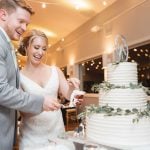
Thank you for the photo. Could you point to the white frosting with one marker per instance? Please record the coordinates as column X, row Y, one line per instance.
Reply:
column 124, row 98
column 118, row 131
column 122, row 74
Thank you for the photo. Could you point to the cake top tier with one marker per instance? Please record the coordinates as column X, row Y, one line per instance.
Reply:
column 123, row 73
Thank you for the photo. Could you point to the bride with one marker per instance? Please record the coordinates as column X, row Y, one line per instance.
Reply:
column 40, row 131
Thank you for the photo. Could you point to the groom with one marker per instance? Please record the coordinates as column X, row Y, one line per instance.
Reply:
column 14, row 18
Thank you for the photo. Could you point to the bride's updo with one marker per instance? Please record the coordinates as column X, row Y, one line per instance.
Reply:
column 28, row 39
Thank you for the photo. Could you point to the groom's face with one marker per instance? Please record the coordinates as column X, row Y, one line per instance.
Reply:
column 16, row 23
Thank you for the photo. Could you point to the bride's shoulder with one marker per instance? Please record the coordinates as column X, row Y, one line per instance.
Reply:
column 53, row 68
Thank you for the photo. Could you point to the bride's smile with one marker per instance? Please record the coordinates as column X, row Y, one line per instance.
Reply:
column 36, row 50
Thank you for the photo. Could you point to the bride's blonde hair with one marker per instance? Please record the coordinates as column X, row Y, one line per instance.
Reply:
column 28, row 39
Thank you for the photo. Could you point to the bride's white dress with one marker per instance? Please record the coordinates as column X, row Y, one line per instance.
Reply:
column 36, row 131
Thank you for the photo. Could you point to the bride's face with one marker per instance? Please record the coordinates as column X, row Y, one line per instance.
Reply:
column 36, row 50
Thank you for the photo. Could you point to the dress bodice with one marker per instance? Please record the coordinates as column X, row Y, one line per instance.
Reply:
column 37, row 129
column 51, row 87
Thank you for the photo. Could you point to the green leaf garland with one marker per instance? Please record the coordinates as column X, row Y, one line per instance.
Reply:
column 110, row 111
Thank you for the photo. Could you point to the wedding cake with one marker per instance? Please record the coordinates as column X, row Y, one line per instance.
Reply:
column 122, row 119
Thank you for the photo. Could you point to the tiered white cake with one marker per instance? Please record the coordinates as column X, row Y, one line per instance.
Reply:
column 119, row 130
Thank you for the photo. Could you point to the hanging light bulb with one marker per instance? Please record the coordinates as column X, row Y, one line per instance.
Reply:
column 43, row 5
column 104, row 3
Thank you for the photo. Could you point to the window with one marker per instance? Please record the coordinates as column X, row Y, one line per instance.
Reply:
column 91, row 74
column 141, row 55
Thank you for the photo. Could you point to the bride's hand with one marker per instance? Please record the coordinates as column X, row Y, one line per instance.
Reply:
column 74, row 82
column 79, row 99
column 51, row 104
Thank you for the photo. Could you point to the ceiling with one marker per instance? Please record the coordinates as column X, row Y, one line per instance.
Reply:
column 61, row 17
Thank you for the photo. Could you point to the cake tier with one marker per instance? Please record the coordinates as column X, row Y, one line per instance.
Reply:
column 118, row 131
column 124, row 98
column 122, row 74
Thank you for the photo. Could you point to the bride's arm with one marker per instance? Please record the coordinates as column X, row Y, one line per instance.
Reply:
column 67, row 87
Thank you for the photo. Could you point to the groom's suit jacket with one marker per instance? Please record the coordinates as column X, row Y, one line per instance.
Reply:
column 11, row 98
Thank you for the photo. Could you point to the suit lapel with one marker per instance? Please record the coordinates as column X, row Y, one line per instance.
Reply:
column 15, row 65
column 9, row 52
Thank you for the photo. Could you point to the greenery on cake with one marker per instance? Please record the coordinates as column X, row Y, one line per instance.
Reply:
column 110, row 111
column 106, row 86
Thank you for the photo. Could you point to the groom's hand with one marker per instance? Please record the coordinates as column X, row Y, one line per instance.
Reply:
column 50, row 104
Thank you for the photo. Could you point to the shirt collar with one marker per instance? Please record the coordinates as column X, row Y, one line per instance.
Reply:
column 5, row 34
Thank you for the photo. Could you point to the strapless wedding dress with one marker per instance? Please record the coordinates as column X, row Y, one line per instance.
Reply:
column 36, row 131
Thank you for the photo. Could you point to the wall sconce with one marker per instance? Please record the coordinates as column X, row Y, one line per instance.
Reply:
column 59, row 49
column 96, row 28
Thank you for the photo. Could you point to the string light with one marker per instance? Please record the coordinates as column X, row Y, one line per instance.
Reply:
column 92, row 64
column 142, row 75
column 132, row 60
column 138, row 55
column 141, row 50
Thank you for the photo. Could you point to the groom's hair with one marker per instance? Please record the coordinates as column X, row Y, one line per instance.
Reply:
column 11, row 5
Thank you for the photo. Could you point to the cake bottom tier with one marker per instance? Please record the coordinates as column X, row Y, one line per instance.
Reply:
column 118, row 131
